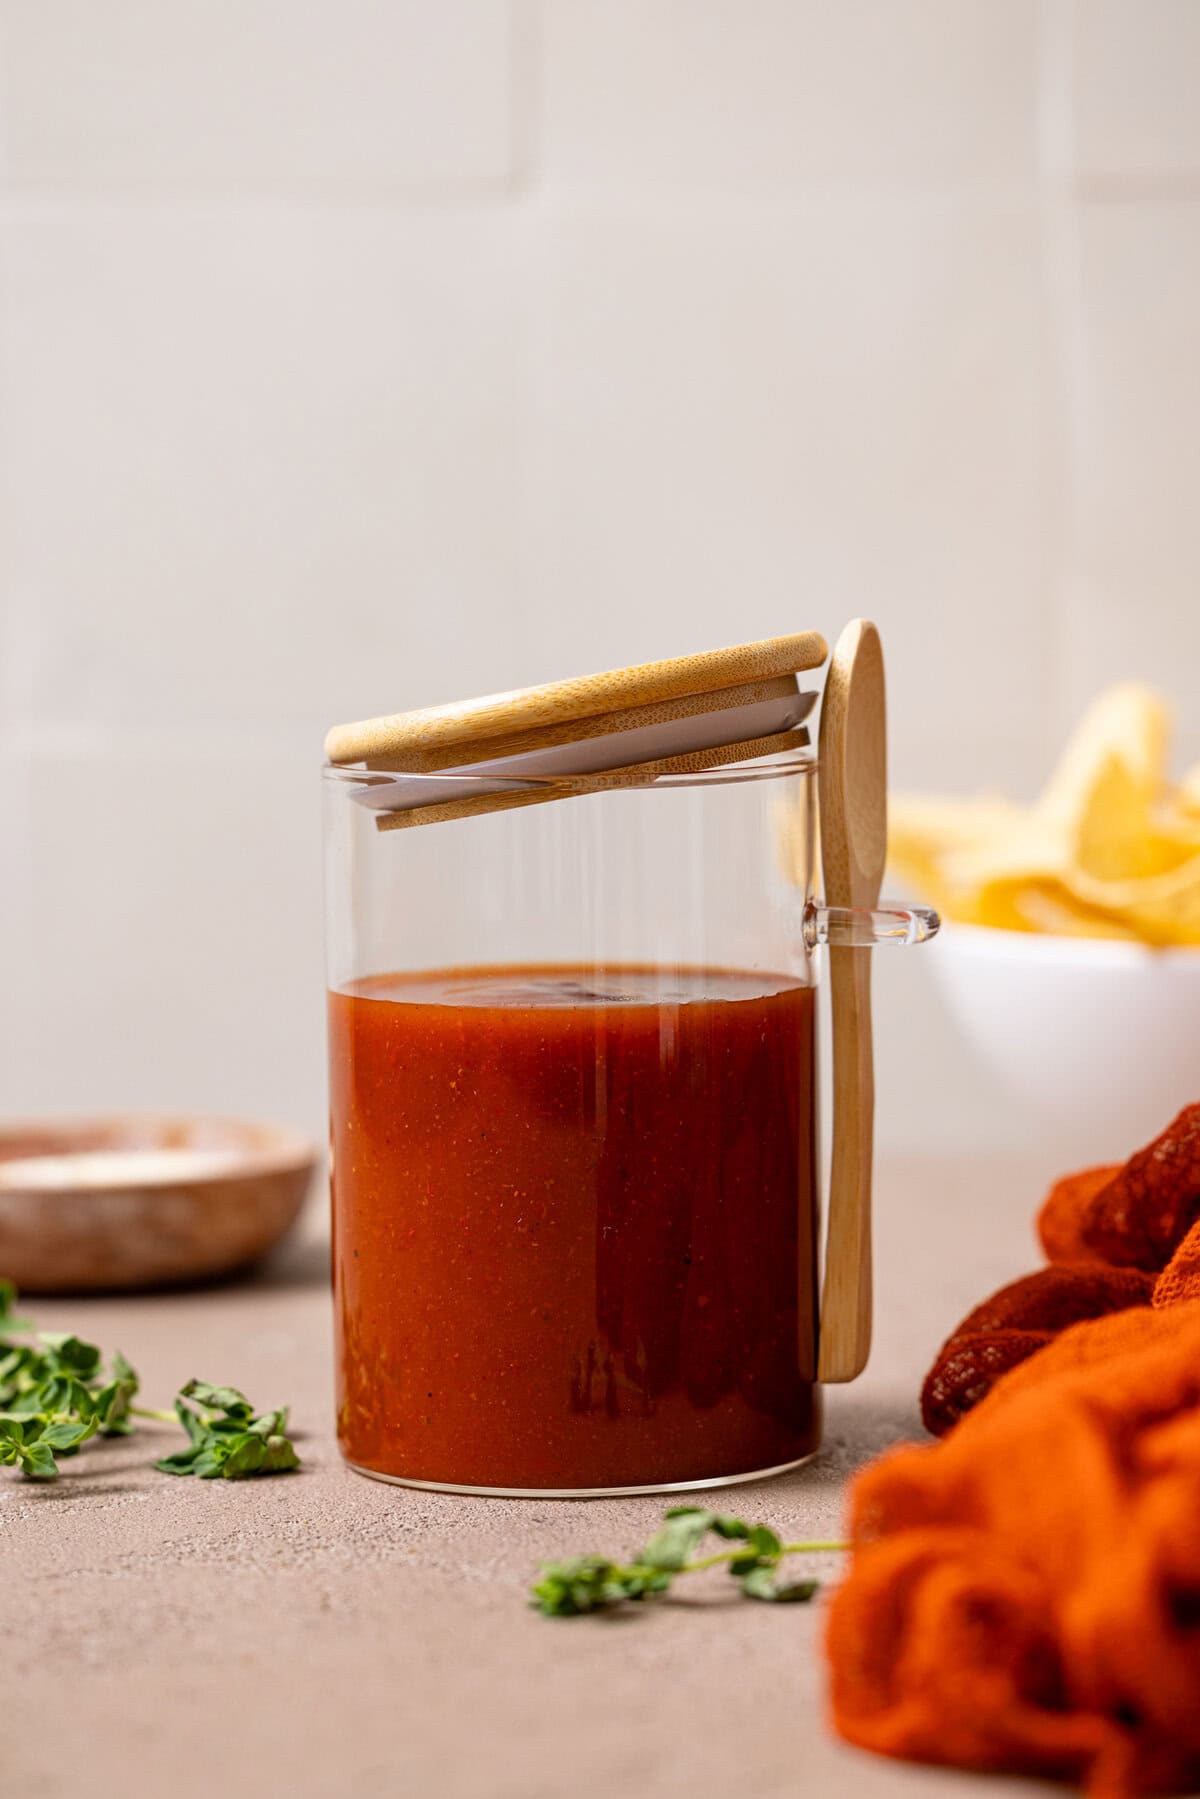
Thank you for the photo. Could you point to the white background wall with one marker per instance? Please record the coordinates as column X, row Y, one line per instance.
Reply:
column 360, row 354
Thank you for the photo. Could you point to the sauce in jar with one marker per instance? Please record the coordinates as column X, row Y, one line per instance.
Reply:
column 574, row 1225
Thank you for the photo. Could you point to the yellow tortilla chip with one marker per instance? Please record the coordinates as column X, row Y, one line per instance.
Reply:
column 1108, row 850
column 1161, row 908
column 1037, row 906
column 921, row 832
column 1129, row 722
column 1031, row 851
column 1058, row 912
column 1187, row 794
column 1118, row 837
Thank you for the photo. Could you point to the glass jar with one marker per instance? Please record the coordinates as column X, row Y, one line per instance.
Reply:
column 572, row 1053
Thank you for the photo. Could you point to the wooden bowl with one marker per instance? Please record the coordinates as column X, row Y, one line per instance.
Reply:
column 132, row 1201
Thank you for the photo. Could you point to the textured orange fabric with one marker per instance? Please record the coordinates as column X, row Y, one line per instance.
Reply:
column 1014, row 1324
column 1180, row 1279
column 1026, row 1594
column 1106, row 1233
column 1060, row 1221
column 1142, row 1216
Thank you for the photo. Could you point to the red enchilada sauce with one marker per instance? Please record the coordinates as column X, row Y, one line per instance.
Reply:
column 574, row 1225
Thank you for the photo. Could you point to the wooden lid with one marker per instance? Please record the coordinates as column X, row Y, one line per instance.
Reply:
column 500, row 724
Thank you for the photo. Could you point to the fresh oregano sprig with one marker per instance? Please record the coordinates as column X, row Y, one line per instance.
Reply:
column 55, row 1394
column 226, row 1438
column 590, row 1583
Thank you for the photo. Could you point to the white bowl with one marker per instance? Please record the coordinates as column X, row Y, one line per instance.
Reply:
column 1098, row 1040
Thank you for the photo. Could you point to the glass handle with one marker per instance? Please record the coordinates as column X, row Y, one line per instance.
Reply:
column 844, row 927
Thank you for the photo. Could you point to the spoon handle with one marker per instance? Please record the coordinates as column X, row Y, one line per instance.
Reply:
column 846, row 1300
column 853, row 795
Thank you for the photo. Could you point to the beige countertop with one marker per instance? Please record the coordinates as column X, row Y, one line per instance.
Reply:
column 325, row 1635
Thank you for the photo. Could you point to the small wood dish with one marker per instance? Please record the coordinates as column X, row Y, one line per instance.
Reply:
column 132, row 1201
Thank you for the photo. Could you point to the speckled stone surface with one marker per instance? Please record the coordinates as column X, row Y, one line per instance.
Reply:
column 324, row 1635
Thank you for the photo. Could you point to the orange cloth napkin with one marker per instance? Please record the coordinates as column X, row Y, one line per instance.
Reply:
column 1180, row 1279
column 1014, row 1324
column 1106, row 1232
column 1025, row 1594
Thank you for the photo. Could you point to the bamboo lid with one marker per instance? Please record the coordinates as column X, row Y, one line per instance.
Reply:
column 501, row 724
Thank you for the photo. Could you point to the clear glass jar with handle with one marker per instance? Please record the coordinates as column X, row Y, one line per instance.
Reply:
column 573, row 1126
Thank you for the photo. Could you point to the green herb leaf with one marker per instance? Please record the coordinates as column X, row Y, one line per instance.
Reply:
column 54, row 1396
column 210, row 1460
column 36, row 1461
column 241, row 1456
column 68, row 1354
column 796, row 1592
column 218, row 1399
column 113, row 1401
column 191, row 1421
column 182, row 1462
column 763, row 1540
column 27, row 1404
column 685, row 1526
column 732, row 1529
column 744, row 1563
column 271, row 1424
column 66, row 1435
column 227, row 1441
column 760, row 1583
column 585, row 1583
column 8, row 1319
column 590, row 1583
column 280, row 1457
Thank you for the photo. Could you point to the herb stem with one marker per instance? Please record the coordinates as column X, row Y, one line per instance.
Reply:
column 56, row 1394
column 590, row 1583
column 730, row 1555
column 724, row 1556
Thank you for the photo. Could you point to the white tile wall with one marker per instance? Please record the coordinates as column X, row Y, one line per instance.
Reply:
column 243, row 94
column 900, row 92
column 177, row 932
column 740, row 420
column 355, row 357
column 263, row 463
column 1133, row 593
column 1135, row 98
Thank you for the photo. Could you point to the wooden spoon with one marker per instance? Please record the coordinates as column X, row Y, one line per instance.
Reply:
column 853, row 780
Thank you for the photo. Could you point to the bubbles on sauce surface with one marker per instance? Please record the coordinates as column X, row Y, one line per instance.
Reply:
column 574, row 987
